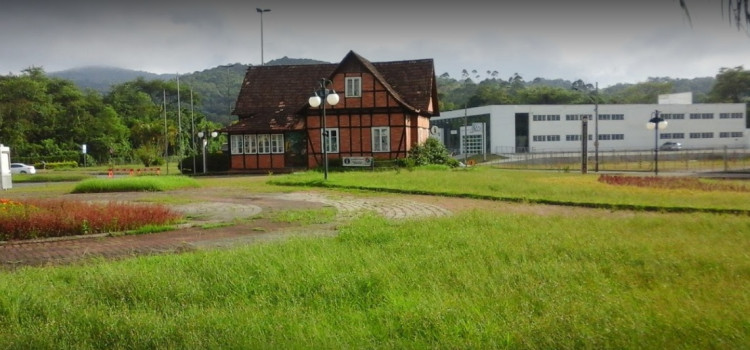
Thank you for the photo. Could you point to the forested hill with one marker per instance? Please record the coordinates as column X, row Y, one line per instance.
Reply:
column 218, row 87
column 102, row 78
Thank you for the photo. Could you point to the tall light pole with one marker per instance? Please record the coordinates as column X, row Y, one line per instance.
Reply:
column 204, row 142
column 260, row 10
column 584, row 144
column 596, row 128
column 319, row 98
column 656, row 123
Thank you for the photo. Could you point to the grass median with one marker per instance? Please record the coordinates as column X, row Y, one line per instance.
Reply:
column 541, row 187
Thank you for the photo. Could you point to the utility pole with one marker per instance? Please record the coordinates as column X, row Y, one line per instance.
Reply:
column 261, row 11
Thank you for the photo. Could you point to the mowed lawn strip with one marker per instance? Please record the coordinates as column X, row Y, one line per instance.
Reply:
column 531, row 186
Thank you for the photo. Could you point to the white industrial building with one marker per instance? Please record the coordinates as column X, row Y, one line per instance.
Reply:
column 502, row 129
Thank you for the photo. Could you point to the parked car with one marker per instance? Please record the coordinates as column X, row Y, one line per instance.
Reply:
column 671, row 146
column 20, row 168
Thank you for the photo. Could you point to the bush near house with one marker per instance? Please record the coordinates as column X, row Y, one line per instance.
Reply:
column 431, row 152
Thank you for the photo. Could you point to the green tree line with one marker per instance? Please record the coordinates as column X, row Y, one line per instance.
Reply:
column 49, row 119
column 729, row 85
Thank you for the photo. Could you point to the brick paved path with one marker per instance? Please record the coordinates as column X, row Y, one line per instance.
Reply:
column 192, row 236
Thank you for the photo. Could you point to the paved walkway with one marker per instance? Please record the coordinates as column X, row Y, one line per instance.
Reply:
column 225, row 216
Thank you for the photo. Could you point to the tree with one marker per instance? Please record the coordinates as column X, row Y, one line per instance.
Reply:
column 732, row 85
column 647, row 92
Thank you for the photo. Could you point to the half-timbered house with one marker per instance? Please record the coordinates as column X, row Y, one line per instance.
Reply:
column 384, row 111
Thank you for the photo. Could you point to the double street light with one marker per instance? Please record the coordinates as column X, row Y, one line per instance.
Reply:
column 204, row 141
column 655, row 124
column 319, row 98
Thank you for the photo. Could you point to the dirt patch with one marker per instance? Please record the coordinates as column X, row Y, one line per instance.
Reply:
column 220, row 219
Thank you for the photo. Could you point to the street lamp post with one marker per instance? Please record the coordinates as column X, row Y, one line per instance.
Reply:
column 260, row 10
column 584, row 144
column 596, row 128
column 656, row 123
column 204, row 141
column 319, row 98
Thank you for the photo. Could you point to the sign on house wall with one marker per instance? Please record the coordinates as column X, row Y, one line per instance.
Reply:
column 357, row 161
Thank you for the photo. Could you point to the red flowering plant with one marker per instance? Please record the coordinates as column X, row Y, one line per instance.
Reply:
column 55, row 218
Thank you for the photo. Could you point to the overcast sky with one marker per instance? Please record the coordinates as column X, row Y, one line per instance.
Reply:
column 604, row 41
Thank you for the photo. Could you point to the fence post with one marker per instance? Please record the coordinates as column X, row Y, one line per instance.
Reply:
column 726, row 160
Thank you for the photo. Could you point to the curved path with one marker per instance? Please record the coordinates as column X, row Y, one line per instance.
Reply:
column 211, row 223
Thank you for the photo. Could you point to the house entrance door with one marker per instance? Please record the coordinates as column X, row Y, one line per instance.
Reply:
column 295, row 155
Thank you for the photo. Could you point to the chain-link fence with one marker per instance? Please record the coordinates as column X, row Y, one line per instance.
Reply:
column 685, row 160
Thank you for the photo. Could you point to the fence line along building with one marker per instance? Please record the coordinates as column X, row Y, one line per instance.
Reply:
column 499, row 129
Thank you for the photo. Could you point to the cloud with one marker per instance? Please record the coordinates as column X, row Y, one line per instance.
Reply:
column 605, row 41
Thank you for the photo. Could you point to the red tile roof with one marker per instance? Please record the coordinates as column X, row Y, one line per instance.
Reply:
column 272, row 97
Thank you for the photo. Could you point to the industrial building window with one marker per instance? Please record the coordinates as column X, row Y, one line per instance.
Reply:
column 250, row 145
column 546, row 117
column 730, row 115
column 701, row 135
column 618, row 117
column 674, row 135
column 605, row 116
column 672, row 115
column 353, row 87
column 381, row 139
column 574, row 117
column 264, row 144
column 277, row 143
column 332, row 140
column 572, row 137
column 736, row 134
column 701, row 116
column 549, row 138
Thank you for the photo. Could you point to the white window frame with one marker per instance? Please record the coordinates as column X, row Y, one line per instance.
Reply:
column 277, row 143
column 332, row 140
column 237, row 144
column 353, row 87
column 264, row 144
column 381, row 139
column 249, row 145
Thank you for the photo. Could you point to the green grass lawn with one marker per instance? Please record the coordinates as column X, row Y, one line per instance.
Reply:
column 526, row 186
column 135, row 184
column 596, row 279
column 477, row 280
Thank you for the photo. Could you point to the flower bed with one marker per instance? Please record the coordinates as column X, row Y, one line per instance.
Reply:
column 670, row 182
column 30, row 219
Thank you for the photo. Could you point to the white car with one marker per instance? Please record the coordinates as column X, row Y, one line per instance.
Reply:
column 20, row 168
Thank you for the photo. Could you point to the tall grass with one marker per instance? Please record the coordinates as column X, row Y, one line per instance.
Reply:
column 135, row 184
column 478, row 280
column 530, row 186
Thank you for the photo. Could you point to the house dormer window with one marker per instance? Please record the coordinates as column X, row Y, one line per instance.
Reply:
column 353, row 87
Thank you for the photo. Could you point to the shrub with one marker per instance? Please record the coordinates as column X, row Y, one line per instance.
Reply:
column 431, row 152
